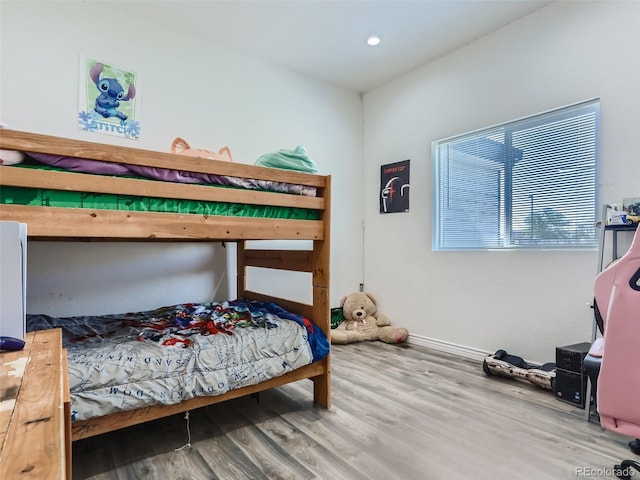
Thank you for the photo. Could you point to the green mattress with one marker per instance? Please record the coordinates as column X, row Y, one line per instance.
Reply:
column 70, row 199
column 59, row 198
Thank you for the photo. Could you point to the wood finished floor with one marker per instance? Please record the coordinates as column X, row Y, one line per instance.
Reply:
column 399, row 412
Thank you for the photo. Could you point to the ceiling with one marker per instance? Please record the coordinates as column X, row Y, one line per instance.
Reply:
column 325, row 39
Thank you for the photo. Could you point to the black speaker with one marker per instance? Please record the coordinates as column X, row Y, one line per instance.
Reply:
column 570, row 387
column 571, row 357
column 571, row 380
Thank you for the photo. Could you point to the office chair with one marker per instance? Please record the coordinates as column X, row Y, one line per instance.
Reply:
column 617, row 294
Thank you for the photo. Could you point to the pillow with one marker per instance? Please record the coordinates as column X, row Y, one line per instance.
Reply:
column 296, row 159
column 10, row 157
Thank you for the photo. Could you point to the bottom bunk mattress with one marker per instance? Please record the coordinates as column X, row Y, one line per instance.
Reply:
column 164, row 356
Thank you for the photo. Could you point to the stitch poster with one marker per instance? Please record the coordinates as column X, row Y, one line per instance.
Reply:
column 109, row 99
column 394, row 187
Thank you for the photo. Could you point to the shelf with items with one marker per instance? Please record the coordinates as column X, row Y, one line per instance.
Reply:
column 614, row 229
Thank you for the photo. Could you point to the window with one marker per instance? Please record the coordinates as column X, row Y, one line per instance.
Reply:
column 530, row 183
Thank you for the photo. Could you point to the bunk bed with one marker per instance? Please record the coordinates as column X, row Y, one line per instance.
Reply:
column 99, row 220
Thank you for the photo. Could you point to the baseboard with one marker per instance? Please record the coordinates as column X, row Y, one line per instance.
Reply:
column 447, row 347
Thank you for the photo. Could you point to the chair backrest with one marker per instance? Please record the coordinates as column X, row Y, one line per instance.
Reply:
column 617, row 292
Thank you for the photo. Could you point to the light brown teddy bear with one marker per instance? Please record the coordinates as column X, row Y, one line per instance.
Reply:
column 362, row 323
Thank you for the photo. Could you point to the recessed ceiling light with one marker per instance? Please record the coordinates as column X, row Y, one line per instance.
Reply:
column 373, row 40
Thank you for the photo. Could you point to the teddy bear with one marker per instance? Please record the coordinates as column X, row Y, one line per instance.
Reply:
column 362, row 322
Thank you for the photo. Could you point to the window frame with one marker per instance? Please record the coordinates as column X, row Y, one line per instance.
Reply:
column 506, row 201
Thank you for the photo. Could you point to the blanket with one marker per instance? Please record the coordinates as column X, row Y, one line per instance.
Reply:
column 133, row 360
column 97, row 167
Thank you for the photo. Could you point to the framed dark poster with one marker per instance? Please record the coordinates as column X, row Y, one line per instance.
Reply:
column 394, row 187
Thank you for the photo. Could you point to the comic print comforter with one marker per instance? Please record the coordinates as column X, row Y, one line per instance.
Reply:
column 134, row 360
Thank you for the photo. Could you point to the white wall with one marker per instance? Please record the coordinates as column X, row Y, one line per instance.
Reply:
column 524, row 302
column 209, row 96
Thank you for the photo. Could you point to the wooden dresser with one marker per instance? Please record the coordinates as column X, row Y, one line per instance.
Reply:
column 35, row 421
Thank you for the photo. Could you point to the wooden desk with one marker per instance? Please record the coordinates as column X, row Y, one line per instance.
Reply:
column 34, row 396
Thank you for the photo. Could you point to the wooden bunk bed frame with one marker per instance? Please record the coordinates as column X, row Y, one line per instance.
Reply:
column 81, row 224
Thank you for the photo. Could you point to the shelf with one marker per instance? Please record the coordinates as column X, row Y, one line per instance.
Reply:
column 621, row 228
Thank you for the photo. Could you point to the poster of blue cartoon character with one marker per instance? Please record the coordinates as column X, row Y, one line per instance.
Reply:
column 108, row 99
